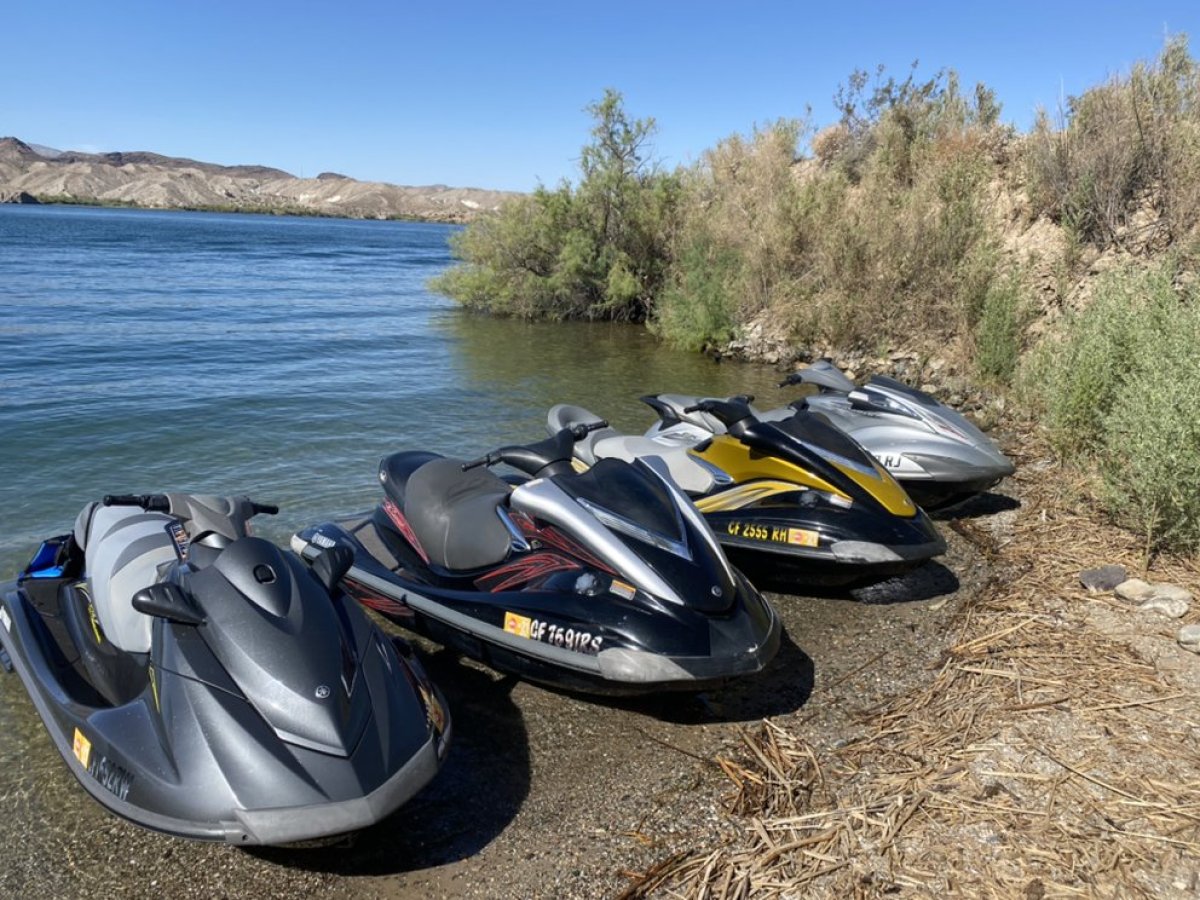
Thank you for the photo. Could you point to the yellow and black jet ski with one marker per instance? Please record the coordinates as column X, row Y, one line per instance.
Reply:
column 795, row 498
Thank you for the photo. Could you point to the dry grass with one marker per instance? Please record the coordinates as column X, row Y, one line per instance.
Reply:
column 1045, row 758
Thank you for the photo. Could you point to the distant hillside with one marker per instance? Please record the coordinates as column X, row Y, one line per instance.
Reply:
column 38, row 174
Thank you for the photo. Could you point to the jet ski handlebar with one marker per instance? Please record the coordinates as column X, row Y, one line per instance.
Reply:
column 734, row 413
column 549, row 457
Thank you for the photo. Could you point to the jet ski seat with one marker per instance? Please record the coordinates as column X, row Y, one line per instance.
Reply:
column 453, row 514
column 608, row 442
column 124, row 551
column 396, row 468
column 691, row 476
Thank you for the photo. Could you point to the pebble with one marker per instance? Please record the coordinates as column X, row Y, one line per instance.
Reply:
column 1104, row 578
column 1173, row 606
column 1134, row 590
column 1189, row 638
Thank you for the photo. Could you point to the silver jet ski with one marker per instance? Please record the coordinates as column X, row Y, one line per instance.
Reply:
column 204, row 683
column 938, row 456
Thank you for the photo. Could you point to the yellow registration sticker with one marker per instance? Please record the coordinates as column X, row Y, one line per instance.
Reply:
column 517, row 624
column 82, row 748
column 803, row 537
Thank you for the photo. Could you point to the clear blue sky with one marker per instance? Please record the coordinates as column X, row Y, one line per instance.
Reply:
column 491, row 94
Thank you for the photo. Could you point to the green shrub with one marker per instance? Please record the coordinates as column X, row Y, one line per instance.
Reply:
column 1151, row 461
column 998, row 331
column 1119, row 386
column 699, row 306
column 1102, row 347
column 596, row 250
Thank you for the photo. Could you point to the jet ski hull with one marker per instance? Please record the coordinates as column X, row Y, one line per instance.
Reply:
column 830, row 550
column 188, row 756
column 554, row 634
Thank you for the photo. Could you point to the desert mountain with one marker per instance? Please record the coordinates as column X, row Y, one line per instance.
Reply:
column 29, row 174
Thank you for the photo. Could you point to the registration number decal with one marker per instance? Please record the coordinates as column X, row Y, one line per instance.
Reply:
column 800, row 537
column 112, row 777
column 556, row 635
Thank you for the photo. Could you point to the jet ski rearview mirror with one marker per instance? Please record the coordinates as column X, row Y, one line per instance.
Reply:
column 331, row 565
column 167, row 601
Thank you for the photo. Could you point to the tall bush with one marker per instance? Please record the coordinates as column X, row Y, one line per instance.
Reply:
column 595, row 250
column 1120, row 388
column 1130, row 142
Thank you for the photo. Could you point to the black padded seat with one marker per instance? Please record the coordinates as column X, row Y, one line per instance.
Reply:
column 453, row 514
column 396, row 468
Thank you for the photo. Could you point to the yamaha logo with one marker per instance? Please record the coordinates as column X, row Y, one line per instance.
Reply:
column 322, row 691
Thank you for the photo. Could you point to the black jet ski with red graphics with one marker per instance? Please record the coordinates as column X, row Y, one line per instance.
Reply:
column 201, row 682
column 608, row 581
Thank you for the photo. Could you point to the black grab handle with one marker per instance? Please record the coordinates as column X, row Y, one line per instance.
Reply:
column 148, row 502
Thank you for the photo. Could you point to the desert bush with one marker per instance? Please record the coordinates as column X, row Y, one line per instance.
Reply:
column 1087, row 365
column 736, row 250
column 1130, row 141
column 885, row 237
column 1151, row 461
column 699, row 305
column 998, row 330
column 1119, row 387
column 595, row 250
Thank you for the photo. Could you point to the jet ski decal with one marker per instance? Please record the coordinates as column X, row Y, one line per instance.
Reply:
column 551, row 536
column 179, row 537
column 401, row 523
column 526, row 570
column 91, row 611
column 517, row 624
column 375, row 600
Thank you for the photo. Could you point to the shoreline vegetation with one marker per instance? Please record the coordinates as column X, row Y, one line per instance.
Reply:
column 1054, row 268
column 232, row 209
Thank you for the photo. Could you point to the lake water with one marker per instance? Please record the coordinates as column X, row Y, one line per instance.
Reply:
column 274, row 356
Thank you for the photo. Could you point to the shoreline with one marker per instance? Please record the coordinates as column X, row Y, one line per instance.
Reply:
column 298, row 211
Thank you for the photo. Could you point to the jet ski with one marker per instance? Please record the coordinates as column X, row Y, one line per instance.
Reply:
column 201, row 682
column 794, row 498
column 605, row 582
column 935, row 452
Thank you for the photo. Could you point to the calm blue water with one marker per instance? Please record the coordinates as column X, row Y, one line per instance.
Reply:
column 279, row 357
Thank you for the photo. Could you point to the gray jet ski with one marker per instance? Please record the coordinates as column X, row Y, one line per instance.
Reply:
column 204, row 683
column 938, row 456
